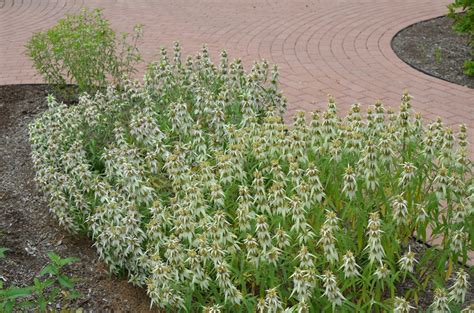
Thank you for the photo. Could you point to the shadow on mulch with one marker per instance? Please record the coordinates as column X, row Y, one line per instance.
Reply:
column 434, row 48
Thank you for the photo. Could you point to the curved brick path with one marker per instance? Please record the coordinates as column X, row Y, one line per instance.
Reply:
column 341, row 47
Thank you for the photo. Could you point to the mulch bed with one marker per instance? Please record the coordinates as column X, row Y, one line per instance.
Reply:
column 435, row 48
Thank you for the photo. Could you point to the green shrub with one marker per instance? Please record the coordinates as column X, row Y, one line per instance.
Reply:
column 45, row 290
column 192, row 185
column 464, row 23
column 469, row 67
column 82, row 49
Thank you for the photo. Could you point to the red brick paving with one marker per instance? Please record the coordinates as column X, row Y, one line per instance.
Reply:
column 338, row 47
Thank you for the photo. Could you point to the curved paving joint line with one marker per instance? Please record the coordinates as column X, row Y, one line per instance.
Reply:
column 338, row 47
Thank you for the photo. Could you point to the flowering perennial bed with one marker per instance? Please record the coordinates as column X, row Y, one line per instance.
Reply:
column 193, row 186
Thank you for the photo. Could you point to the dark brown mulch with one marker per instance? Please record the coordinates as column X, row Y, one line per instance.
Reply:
column 27, row 228
column 435, row 48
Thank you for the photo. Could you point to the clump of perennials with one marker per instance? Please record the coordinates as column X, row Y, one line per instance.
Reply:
column 192, row 185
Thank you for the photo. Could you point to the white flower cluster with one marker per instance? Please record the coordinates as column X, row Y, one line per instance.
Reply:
column 193, row 185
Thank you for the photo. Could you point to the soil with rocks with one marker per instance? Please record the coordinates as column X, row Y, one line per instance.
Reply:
column 434, row 48
column 29, row 231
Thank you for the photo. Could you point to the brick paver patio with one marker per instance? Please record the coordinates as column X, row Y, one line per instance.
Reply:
column 338, row 47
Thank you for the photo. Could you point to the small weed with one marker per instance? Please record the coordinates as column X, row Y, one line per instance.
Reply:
column 437, row 54
column 46, row 288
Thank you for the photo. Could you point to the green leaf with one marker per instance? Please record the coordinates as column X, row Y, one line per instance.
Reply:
column 42, row 304
column 68, row 261
column 74, row 294
column 65, row 282
column 26, row 304
column 15, row 292
column 7, row 306
column 54, row 257
column 2, row 252
column 49, row 269
column 47, row 283
column 37, row 284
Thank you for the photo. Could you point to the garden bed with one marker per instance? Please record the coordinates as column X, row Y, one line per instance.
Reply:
column 434, row 48
column 27, row 228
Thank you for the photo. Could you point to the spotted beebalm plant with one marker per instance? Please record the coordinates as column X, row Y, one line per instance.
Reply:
column 192, row 185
